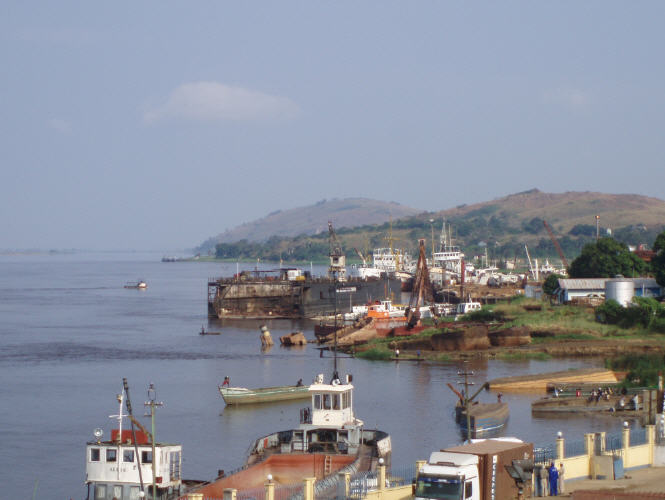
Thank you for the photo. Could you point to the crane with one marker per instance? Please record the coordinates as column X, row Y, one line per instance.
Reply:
column 362, row 257
column 422, row 288
column 556, row 244
column 337, row 267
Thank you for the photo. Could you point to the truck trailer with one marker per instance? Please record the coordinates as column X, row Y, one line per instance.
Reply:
column 475, row 471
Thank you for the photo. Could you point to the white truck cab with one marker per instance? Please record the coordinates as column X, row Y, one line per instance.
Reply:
column 449, row 476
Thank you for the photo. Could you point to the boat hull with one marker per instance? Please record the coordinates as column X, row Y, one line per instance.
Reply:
column 486, row 419
column 241, row 395
column 265, row 298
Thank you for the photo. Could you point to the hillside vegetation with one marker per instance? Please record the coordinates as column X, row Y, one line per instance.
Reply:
column 501, row 227
column 312, row 220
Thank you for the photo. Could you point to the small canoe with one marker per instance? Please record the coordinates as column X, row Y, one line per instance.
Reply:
column 241, row 395
column 486, row 418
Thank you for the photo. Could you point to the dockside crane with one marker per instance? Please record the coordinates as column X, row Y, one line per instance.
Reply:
column 422, row 288
column 337, row 267
column 556, row 244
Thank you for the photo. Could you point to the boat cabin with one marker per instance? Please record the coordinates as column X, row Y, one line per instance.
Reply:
column 329, row 425
column 112, row 467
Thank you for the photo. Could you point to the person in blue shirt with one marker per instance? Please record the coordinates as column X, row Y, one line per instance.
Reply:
column 554, row 480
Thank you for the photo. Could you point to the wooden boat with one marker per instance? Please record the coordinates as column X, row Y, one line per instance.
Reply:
column 485, row 418
column 241, row 395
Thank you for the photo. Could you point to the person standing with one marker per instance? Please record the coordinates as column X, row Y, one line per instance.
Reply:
column 561, row 483
column 554, row 480
column 543, row 481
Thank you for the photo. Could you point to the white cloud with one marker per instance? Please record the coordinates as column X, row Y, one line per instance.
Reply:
column 571, row 98
column 212, row 101
column 60, row 125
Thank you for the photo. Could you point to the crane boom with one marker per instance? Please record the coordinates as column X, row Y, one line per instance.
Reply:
column 556, row 244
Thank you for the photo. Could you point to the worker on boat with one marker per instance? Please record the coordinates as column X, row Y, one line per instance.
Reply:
column 299, row 384
column 227, row 382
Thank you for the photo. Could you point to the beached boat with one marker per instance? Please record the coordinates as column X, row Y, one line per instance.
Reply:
column 328, row 440
column 241, row 395
column 485, row 418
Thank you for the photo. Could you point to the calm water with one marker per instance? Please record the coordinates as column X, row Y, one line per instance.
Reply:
column 69, row 333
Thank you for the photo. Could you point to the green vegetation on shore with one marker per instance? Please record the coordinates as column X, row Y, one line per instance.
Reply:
column 642, row 369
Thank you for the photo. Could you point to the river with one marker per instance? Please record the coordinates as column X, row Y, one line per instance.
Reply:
column 70, row 332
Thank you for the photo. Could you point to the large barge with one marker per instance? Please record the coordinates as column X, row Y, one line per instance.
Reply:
column 292, row 293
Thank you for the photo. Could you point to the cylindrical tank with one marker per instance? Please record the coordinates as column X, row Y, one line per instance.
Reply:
column 621, row 290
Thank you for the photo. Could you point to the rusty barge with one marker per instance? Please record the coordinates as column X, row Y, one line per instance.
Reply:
column 292, row 293
column 286, row 293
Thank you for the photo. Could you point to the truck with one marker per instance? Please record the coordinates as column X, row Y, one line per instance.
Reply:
column 475, row 471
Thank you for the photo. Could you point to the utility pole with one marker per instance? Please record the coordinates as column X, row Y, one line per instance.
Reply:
column 152, row 404
column 467, row 407
column 597, row 228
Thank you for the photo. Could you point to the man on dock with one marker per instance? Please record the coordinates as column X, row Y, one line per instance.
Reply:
column 554, row 480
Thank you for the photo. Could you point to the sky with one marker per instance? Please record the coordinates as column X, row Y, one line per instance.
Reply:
column 154, row 125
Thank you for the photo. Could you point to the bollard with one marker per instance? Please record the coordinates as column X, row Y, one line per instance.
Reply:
column 381, row 477
column 270, row 488
column 308, row 491
column 559, row 447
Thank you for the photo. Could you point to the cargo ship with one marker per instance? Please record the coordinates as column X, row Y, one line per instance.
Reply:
column 294, row 293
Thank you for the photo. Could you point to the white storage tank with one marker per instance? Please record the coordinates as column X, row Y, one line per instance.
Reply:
column 620, row 289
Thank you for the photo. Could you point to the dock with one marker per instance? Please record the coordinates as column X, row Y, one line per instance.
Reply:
column 538, row 382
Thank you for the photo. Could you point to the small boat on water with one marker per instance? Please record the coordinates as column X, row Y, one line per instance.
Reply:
column 477, row 419
column 208, row 332
column 139, row 285
column 242, row 395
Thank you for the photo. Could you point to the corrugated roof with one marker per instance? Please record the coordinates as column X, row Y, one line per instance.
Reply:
column 599, row 283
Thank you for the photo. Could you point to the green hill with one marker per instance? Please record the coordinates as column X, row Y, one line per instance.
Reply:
column 500, row 227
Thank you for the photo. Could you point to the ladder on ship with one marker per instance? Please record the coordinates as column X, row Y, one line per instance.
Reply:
column 327, row 465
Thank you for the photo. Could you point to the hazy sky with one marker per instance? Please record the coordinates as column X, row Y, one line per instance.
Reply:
column 154, row 125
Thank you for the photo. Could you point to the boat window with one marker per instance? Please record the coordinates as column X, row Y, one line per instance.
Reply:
column 317, row 401
column 468, row 489
column 335, row 401
column 128, row 456
column 174, row 465
column 117, row 491
column 94, row 454
column 100, row 491
column 345, row 400
column 134, row 493
column 326, row 401
column 441, row 488
column 111, row 455
column 146, row 457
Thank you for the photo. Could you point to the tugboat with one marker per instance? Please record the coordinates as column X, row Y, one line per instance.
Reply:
column 328, row 440
column 124, row 466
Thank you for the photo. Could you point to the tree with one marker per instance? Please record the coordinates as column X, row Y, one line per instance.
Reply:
column 658, row 262
column 551, row 283
column 606, row 259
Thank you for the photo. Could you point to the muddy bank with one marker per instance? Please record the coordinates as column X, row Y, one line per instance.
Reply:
column 474, row 341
